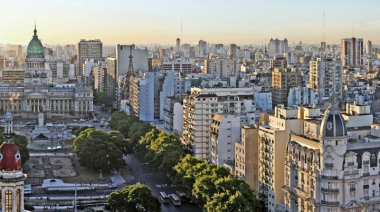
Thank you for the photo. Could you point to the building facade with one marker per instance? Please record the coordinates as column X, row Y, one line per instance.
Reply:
column 282, row 80
column 198, row 109
column 88, row 49
column 352, row 51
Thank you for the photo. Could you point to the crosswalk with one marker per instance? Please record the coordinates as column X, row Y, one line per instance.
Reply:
column 165, row 185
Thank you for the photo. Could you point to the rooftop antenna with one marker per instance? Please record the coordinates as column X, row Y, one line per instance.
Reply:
column 324, row 29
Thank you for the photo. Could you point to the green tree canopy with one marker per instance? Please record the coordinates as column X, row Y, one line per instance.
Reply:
column 22, row 144
column 134, row 198
column 98, row 150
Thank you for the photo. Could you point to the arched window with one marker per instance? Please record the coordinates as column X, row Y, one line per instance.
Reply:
column 8, row 201
column 18, row 200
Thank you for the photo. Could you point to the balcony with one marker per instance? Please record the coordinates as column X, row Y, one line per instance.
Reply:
column 352, row 189
column 329, row 177
column 330, row 190
column 365, row 186
column 329, row 165
column 366, row 174
column 365, row 162
column 350, row 163
column 329, row 203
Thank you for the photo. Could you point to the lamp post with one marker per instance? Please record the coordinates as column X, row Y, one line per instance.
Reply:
column 140, row 169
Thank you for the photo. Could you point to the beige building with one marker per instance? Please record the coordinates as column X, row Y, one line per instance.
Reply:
column 272, row 145
column 198, row 110
column 282, row 80
column 247, row 156
column 219, row 67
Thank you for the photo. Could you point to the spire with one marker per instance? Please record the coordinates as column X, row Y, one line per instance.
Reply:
column 35, row 29
column 130, row 68
column 8, row 130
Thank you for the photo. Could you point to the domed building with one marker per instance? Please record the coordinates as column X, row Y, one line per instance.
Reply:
column 11, row 176
column 38, row 95
column 328, row 170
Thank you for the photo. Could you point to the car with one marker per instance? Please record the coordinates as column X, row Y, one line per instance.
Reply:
column 82, row 120
column 74, row 120
column 112, row 186
column 2, row 120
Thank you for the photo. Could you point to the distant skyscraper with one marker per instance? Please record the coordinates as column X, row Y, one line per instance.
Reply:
column 90, row 49
column 232, row 51
column 278, row 46
column 352, row 51
column 369, row 48
column 178, row 44
column 19, row 52
column 202, row 45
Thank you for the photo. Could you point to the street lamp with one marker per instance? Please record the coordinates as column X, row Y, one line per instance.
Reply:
column 140, row 169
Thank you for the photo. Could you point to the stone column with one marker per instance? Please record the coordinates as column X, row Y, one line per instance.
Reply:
column 38, row 105
column 22, row 198
column 13, row 200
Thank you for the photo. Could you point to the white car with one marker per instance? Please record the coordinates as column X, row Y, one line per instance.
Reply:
column 82, row 120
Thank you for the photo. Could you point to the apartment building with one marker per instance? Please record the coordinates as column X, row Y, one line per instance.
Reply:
column 173, row 114
column 272, row 143
column 219, row 67
column 88, row 49
column 198, row 110
column 247, row 156
column 282, row 80
column 322, row 79
column 225, row 131
column 328, row 170
column 177, row 66
column 352, row 51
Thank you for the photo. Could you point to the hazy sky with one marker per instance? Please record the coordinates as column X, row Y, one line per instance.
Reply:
column 216, row 21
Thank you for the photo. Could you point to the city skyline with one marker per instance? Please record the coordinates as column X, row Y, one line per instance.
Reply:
column 246, row 22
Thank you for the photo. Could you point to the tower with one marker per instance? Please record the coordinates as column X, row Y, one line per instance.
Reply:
column 35, row 74
column 178, row 44
column 11, row 176
column 130, row 67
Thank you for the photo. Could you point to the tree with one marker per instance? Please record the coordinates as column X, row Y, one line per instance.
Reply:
column 232, row 194
column 102, row 98
column 22, row 144
column 163, row 150
column 134, row 198
column 188, row 168
column 98, row 150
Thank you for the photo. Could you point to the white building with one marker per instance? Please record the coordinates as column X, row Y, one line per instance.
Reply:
column 301, row 95
column 322, row 79
column 277, row 46
column 198, row 109
column 263, row 100
column 225, row 131
column 173, row 115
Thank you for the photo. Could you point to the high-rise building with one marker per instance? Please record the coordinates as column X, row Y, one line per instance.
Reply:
column 19, row 52
column 232, row 51
column 247, row 156
column 352, row 51
column 198, row 109
column 88, row 49
column 278, row 46
column 220, row 67
column 177, row 66
column 186, row 49
column 369, row 48
column 282, row 80
column 272, row 144
column 178, row 44
column 202, row 46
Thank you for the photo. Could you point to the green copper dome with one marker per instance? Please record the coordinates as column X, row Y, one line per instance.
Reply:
column 35, row 47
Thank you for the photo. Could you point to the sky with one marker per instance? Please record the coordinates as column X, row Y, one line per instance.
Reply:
column 216, row 21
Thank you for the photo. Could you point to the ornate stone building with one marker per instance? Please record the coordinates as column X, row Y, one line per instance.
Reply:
column 37, row 94
column 11, row 176
column 327, row 170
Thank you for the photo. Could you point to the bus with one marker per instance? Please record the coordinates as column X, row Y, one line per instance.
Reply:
column 175, row 199
column 31, row 125
column 164, row 197
column 182, row 196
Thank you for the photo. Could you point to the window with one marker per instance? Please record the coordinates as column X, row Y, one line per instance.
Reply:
column 8, row 200
column 18, row 196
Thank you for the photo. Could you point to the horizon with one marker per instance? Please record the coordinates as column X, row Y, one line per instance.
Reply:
column 243, row 23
